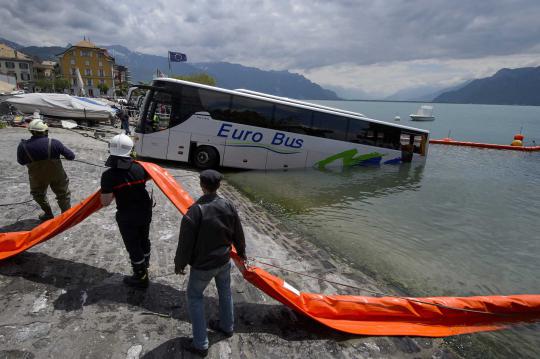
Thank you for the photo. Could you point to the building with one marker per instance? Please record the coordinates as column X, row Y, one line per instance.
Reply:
column 94, row 64
column 44, row 70
column 18, row 65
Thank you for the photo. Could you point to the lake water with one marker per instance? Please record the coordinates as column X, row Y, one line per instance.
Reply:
column 466, row 223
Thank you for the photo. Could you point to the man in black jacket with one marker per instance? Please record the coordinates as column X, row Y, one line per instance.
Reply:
column 41, row 154
column 208, row 229
column 125, row 182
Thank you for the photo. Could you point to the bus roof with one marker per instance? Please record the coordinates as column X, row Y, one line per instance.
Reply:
column 285, row 101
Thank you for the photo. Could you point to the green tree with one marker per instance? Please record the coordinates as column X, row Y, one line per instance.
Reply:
column 46, row 85
column 103, row 88
column 201, row 78
column 60, row 84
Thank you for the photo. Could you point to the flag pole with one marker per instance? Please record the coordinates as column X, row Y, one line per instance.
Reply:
column 169, row 58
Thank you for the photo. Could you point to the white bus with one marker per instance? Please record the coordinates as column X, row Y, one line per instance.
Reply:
column 210, row 127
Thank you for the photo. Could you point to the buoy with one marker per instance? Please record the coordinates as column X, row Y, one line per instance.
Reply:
column 519, row 137
column 517, row 143
column 397, row 118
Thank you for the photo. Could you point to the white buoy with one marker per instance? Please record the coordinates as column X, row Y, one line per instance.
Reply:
column 397, row 118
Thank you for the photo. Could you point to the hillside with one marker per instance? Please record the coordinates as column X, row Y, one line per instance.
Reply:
column 507, row 87
column 142, row 67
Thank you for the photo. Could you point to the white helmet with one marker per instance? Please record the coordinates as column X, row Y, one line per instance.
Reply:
column 37, row 125
column 121, row 145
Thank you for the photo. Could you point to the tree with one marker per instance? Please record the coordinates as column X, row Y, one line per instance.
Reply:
column 201, row 78
column 103, row 88
column 60, row 84
column 46, row 85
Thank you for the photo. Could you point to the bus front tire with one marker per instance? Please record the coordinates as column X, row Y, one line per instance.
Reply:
column 205, row 157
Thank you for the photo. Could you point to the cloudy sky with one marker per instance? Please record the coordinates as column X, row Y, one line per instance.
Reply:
column 374, row 47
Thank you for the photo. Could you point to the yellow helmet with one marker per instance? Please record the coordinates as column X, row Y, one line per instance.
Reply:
column 37, row 125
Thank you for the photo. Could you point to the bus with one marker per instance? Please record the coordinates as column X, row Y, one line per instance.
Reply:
column 211, row 127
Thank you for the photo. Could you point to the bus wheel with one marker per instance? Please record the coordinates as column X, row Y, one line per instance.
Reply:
column 205, row 157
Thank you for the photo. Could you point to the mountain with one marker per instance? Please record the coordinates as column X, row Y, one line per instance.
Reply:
column 519, row 86
column 142, row 67
column 231, row 76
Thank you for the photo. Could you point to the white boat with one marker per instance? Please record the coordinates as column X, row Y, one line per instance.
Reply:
column 62, row 105
column 424, row 113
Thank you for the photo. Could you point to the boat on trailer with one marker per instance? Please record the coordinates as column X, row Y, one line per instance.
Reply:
column 63, row 106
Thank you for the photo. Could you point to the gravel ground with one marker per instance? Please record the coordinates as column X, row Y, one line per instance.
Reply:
column 64, row 298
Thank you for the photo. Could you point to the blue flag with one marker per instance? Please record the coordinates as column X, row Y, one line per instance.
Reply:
column 177, row 57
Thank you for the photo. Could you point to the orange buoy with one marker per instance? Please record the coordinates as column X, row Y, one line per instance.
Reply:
column 516, row 143
column 519, row 137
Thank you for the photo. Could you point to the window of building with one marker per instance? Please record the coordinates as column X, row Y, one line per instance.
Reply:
column 87, row 63
column 251, row 112
column 11, row 73
column 23, row 65
column 292, row 119
column 101, row 81
column 88, row 72
column 101, row 63
column 25, row 76
column 72, row 61
column 101, row 73
column 85, row 53
column 10, row 64
column 329, row 126
column 89, row 82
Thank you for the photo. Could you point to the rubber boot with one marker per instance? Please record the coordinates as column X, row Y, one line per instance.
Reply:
column 64, row 204
column 147, row 260
column 46, row 216
column 139, row 279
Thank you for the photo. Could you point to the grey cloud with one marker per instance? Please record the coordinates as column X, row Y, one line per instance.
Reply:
column 282, row 33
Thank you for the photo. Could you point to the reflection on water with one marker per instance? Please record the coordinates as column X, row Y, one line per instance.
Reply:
column 299, row 191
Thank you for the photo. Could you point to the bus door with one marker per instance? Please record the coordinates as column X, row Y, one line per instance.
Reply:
column 155, row 141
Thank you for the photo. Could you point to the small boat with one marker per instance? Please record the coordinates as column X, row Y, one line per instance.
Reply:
column 63, row 105
column 513, row 147
column 424, row 113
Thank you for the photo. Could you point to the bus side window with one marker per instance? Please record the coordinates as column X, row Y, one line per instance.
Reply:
column 251, row 112
column 292, row 119
column 330, row 126
column 217, row 104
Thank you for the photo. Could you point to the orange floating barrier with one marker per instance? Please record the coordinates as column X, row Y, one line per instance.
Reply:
column 451, row 142
column 363, row 315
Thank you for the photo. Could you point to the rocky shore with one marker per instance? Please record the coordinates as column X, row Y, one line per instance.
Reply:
column 65, row 299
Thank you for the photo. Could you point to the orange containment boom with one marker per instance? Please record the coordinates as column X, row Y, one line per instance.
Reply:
column 432, row 316
column 451, row 142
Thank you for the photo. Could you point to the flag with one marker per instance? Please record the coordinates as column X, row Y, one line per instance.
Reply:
column 177, row 57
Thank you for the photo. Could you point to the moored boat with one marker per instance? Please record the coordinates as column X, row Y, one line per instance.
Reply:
column 424, row 113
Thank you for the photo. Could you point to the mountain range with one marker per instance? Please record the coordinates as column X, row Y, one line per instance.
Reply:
column 142, row 67
column 519, row 86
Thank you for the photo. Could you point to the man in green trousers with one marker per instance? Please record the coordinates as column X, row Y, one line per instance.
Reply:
column 41, row 155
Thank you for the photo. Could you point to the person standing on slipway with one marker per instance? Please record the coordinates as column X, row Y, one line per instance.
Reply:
column 41, row 155
column 125, row 181
column 208, row 229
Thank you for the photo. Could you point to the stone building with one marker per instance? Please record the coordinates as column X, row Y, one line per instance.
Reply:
column 15, row 64
column 93, row 66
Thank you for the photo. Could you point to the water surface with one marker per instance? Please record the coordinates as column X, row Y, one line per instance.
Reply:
column 466, row 223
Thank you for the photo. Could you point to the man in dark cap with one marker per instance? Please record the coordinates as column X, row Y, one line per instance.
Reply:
column 208, row 229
